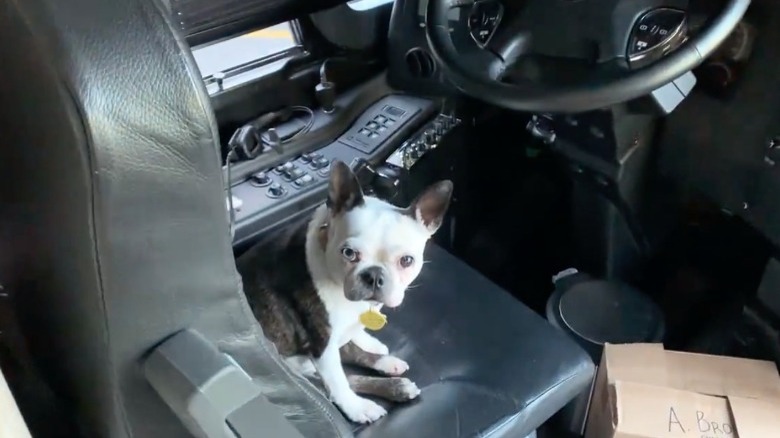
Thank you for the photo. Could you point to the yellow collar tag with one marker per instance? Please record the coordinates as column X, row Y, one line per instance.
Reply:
column 373, row 319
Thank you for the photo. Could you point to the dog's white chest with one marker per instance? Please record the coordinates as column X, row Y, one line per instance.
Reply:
column 345, row 322
column 343, row 315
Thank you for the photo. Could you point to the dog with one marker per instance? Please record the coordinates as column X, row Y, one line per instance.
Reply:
column 309, row 286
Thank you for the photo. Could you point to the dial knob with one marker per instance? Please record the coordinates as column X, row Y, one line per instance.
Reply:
column 260, row 179
column 275, row 190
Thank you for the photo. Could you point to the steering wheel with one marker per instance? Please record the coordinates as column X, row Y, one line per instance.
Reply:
column 631, row 48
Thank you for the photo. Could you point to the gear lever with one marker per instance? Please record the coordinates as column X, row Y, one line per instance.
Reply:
column 325, row 91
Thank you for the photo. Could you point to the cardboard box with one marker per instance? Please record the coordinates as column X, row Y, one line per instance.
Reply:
column 644, row 391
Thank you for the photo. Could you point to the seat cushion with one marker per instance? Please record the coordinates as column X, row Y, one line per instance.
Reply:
column 486, row 364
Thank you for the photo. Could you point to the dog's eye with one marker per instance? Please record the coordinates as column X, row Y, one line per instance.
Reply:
column 406, row 261
column 350, row 254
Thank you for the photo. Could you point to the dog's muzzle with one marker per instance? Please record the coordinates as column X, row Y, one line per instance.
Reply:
column 371, row 283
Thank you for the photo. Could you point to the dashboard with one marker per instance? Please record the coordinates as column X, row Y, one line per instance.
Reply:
column 385, row 140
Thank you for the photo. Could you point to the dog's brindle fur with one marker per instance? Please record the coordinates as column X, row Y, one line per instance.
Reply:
column 285, row 301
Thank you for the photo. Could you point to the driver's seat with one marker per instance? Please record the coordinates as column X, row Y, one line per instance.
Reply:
column 116, row 248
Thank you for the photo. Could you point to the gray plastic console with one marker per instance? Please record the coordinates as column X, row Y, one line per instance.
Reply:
column 210, row 393
column 671, row 95
column 275, row 195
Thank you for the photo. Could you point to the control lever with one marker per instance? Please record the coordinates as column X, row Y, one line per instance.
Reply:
column 325, row 91
column 274, row 141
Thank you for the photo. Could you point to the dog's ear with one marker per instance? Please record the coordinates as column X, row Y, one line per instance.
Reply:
column 344, row 192
column 429, row 208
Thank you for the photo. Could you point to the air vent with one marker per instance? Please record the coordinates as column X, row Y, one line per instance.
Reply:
column 420, row 63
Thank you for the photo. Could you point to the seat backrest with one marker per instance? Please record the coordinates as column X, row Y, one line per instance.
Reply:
column 113, row 226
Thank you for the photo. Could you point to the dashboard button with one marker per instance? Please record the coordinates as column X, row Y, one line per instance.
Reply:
column 275, row 191
column 319, row 163
column 294, row 173
column 324, row 172
column 303, row 181
column 260, row 179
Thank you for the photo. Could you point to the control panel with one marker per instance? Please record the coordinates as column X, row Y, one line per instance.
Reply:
column 374, row 127
column 274, row 195
column 424, row 141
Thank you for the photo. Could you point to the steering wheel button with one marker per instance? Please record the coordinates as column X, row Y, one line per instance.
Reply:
column 655, row 34
column 484, row 19
column 364, row 131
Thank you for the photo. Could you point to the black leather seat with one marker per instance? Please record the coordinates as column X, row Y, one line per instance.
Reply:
column 114, row 237
column 487, row 365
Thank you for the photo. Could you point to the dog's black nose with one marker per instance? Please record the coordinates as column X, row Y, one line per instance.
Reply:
column 373, row 277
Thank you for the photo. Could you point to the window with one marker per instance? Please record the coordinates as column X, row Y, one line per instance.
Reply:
column 252, row 47
column 364, row 5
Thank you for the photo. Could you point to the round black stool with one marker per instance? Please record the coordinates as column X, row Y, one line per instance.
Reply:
column 595, row 312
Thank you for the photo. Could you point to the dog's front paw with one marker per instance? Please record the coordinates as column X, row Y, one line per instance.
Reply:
column 370, row 344
column 391, row 365
column 404, row 390
column 361, row 410
column 379, row 348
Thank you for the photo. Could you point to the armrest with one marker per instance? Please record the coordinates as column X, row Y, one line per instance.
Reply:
column 210, row 393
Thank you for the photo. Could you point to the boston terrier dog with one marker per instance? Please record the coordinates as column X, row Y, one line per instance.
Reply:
column 316, row 287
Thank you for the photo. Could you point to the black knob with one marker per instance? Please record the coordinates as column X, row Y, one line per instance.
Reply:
column 219, row 78
column 260, row 179
column 388, row 181
column 325, row 93
column 275, row 190
column 430, row 137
